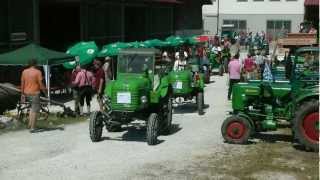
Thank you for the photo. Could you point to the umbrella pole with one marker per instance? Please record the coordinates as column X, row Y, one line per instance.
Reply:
column 49, row 83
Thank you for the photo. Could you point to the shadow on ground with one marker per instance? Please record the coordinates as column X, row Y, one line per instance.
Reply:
column 186, row 108
column 139, row 135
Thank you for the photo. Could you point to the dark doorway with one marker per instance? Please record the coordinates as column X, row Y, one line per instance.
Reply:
column 135, row 24
column 59, row 24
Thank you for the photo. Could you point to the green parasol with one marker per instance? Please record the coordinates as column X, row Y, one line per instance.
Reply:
column 175, row 41
column 86, row 51
column 154, row 43
column 137, row 44
column 112, row 49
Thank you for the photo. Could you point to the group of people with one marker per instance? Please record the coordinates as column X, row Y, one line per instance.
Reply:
column 250, row 68
column 86, row 82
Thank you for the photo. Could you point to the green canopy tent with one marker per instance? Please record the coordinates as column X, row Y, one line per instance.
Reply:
column 85, row 51
column 44, row 57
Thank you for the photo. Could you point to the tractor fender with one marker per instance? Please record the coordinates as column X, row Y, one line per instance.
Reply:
column 249, row 119
column 108, row 89
column 201, row 82
column 309, row 93
column 164, row 87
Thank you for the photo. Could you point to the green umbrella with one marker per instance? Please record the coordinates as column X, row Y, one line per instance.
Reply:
column 154, row 43
column 193, row 40
column 86, row 51
column 112, row 49
column 175, row 40
column 137, row 44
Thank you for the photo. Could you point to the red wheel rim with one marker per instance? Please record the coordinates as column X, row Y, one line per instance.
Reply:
column 236, row 130
column 310, row 126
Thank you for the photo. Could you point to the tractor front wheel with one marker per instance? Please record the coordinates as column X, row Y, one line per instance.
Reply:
column 236, row 130
column 200, row 103
column 168, row 117
column 306, row 125
column 95, row 126
column 152, row 129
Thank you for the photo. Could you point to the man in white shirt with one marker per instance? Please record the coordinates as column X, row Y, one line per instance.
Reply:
column 179, row 62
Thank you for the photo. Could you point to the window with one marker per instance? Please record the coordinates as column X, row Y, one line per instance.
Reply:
column 278, row 28
column 258, row 0
column 239, row 25
column 242, row 0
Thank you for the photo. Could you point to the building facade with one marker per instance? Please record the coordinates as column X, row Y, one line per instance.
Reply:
column 57, row 24
column 270, row 16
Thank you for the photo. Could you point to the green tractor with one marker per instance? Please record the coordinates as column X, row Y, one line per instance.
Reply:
column 215, row 63
column 259, row 106
column 141, row 96
column 187, row 84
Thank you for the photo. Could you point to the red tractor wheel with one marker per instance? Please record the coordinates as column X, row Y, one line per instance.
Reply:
column 236, row 130
column 306, row 125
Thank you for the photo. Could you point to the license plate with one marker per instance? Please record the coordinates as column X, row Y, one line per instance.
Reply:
column 124, row 98
column 178, row 85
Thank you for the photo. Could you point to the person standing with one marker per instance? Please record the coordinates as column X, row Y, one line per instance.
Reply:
column 180, row 62
column 84, row 81
column 107, row 68
column 259, row 61
column 267, row 71
column 31, row 86
column 75, row 89
column 99, row 83
column 248, row 67
column 234, row 68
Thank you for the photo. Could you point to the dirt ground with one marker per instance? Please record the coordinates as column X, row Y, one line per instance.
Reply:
column 259, row 160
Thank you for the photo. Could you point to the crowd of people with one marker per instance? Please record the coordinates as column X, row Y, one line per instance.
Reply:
column 87, row 81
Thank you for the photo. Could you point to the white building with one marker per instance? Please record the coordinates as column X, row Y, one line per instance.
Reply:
column 271, row 16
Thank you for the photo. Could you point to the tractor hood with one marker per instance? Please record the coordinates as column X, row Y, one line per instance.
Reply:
column 131, row 82
column 126, row 92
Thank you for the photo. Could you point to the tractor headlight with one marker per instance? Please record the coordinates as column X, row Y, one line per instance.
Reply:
column 144, row 99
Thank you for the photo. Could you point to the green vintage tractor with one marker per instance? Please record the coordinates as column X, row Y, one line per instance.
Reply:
column 141, row 96
column 259, row 106
column 187, row 84
column 215, row 63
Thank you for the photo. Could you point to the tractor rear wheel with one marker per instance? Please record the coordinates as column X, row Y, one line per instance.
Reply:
column 152, row 129
column 236, row 130
column 306, row 125
column 95, row 126
column 200, row 103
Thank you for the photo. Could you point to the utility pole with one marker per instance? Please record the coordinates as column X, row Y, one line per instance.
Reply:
column 218, row 11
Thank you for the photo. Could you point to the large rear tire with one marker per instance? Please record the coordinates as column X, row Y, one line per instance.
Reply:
column 306, row 125
column 152, row 129
column 236, row 130
column 95, row 126
column 200, row 103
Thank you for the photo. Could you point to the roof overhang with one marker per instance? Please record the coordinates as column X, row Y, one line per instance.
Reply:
column 311, row 2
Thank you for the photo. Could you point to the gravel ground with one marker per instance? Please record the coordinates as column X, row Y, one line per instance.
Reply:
column 195, row 150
